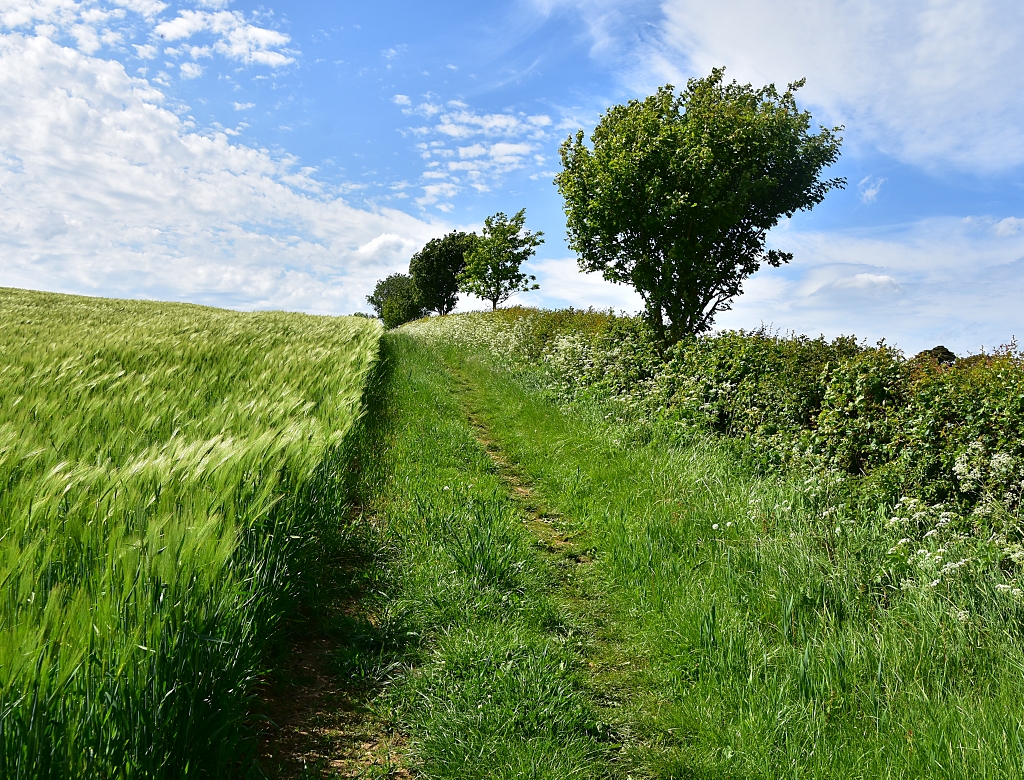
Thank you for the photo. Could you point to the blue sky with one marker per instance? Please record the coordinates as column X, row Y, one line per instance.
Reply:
column 287, row 155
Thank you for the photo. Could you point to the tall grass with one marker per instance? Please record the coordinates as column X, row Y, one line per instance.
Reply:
column 167, row 475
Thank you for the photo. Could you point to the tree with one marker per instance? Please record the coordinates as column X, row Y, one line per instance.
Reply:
column 435, row 269
column 679, row 192
column 492, row 269
column 395, row 299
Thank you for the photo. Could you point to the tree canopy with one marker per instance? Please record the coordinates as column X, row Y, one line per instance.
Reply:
column 493, row 268
column 435, row 269
column 680, row 190
column 395, row 299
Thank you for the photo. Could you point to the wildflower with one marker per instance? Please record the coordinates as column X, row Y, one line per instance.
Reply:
column 714, row 527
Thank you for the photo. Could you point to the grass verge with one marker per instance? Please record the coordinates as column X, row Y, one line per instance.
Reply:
column 761, row 638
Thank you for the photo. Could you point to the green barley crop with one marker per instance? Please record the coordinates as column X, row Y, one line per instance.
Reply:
column 167, row 476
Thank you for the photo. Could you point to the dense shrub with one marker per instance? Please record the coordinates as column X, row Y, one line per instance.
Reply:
column 962, row 429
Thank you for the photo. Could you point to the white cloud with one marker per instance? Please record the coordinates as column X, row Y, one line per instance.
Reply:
column 190, row 70
column 243, row 106
column 869, row 283
column 95, row 23
column 146, row 8
column 195, row 52
column 103, row 190
column 506, row 152
column 462, row 124
column 869, row 188
column 1010, row 226
column 500, row 143
column 935, row 83
column 957, row 282
column 236, row 38
column 423, row 109
column 432, row 193
column 401, row 100
column 87, row 37
column 184, row 25
column 562, row 284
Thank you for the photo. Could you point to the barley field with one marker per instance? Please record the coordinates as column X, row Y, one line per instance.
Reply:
column 166, row 474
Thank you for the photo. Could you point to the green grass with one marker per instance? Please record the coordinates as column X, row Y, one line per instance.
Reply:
column 764, row 631
column 170, row 475
column 491, row 682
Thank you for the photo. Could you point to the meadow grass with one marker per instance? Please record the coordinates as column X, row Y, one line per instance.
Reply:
column 763, row 630
column 169, row 476
column 485, row 671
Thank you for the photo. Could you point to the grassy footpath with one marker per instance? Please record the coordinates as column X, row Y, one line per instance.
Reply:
column 760, row 642
column 489, row 680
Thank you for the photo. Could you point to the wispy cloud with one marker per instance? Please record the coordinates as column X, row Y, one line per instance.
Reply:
column 933, row 84
column 104, row 190
column 473, row 150
column 234, row 37
column 951, row 281
column 869, row 188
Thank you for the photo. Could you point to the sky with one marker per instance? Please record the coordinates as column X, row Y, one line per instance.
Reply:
column 288, row 155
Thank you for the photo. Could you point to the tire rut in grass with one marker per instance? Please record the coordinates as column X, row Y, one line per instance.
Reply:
column 610, row 679
column 542, row 521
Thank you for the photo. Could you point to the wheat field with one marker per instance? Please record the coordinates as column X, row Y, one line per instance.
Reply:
column 167, row 473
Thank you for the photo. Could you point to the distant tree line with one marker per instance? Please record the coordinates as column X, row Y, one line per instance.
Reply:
column 488, row 266
column 674, row 195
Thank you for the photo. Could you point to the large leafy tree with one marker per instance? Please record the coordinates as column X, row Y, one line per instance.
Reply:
column 494, row 267
column 679, row 191
column 396, row 300
column 435, row 269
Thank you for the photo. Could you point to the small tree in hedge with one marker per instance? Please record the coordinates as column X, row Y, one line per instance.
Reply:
column 395, row 299
column 493, row 268
column 435, row 269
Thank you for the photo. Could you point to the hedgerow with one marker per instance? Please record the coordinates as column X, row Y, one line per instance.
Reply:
column 927, row 440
